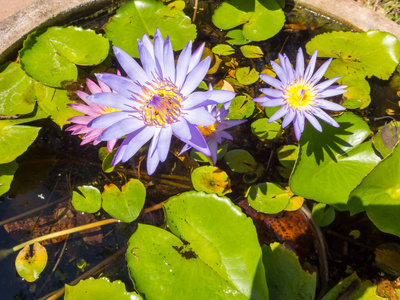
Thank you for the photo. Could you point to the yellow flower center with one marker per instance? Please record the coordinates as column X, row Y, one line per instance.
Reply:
column 299, row 95
column 161, row 103
column 208, row 130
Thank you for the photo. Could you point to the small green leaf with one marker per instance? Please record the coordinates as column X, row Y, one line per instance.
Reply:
column 251, row 51
column 102, row 288
column 211, row 179
column 235, row 37
column 7, row 172
column 138, row 17
column 240, row 161
column 323, row 214
column 15, row 140
column 287, row 155
column 268, row 197
column 210, row 241
column 265, row 130
column 200, row 157
column 286, row 278
column 241, row 107
column 246, row 76
column 222, row 49
column 89, row 201
column 126, row 204
column 333, row 153
column 358, row 93
column 29, row 266
column 107, row 159
column 50, row 55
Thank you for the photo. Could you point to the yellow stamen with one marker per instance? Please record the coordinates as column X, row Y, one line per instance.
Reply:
column 299, row 95
column 208, row 130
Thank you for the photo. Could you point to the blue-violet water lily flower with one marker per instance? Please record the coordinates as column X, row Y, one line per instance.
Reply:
column 215, row 132
column 299, row 94
column 157, row 101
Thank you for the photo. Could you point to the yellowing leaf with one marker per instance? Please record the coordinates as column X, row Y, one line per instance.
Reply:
column 30, row 266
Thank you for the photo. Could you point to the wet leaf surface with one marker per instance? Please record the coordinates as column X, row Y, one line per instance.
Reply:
column 30, row 265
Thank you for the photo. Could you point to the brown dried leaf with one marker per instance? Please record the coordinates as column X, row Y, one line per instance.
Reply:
column 385, row 289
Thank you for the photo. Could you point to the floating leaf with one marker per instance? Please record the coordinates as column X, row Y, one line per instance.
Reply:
column 236, row 37
column 30, row 266
column 379, row 194
column 211, row 179
column 323, row 214
column 177, row 5
column 140, row 17
column 358, row 93
column 15, row 139
column 7, row 172
column 222, row 49
column 89, row 201
column 286, row 278
column 326, row 157
column 287, row 155
column 268, row 198
column 211, row 242
column 107, row 159
column 251, row 51
column 386, row 138
column 262, row 19
column 246, row 76
column 294, row 203
column 50, row 55
column 127, row 203
column 18, row 92
column 101, row 288
column 241, row 107
column 265, row 130
column 240, row 161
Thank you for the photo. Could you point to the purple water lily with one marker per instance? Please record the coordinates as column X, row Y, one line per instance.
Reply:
column 299, row 94
column 92, row 110
column 157, row 101
column 215, row 132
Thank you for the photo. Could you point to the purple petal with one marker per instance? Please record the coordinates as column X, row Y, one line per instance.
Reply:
column 323, row 85
column 139, row 138
column 185, row 148
column 121, row 128
column 88, row 110
column 164, row 143
column 104, row 88
column 92, row 86
column 130, row 66
column 158, row 50
column 300, row 63
column 325, row 117
column 197, row 140
column 113, row 100
column 148, row 45
column 195, row 76
column 199, row 116
column 279, row 72
column 108, row 119
column 330, row 105
column 111, row 145
column 169, row 63
column 196, row 56
column 195, row 99
column 80, row 119
column 213, row 146
column 122, row 85
column 279, row 114
column 152, row 162
column 225, row 135
column 183, row 64
column 331, row 91
column 314, row 122
column 321, row 71
column 221, row 96
column 271, row 81
column 288, row 69
column 288, row 118
column 273, row 102
column 181, row 129
column 148, row 63
column 298, row 130
column 272, row 93
column 311, row 65
column 232, row 123
column 154, row 141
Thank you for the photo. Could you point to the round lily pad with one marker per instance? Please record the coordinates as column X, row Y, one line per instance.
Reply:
column 88, row 201
column 241, row 107
column 30, row 265
column 251, row 51
column 222, row 49
column 265, row 130
column 211, row 179
column 240, row 161
column 246, row 76
column 268, row 198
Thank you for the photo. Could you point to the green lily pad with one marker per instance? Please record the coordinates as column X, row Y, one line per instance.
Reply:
column 144, row 16
column 235, row 37
column 7, row 172
column 222, row 49
column 240, row 161
column 50, row 56
column 379, row 194
column 261, row 19
column 15, row 139
column 127, row 203
column 286, row 278
column 388, row 137
column 107, row 159
column 101, row 288
column 265, row 130
column 18, row 92
column 251, row 51
column 211, row 179
column 30, row 265
column 287, row 155
column 246, row 76
column 323, row 214
column 358, row 93
column 89, row 201
column 333, row 158
column 241, row 107
column 211, row 242
column 268, row 197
